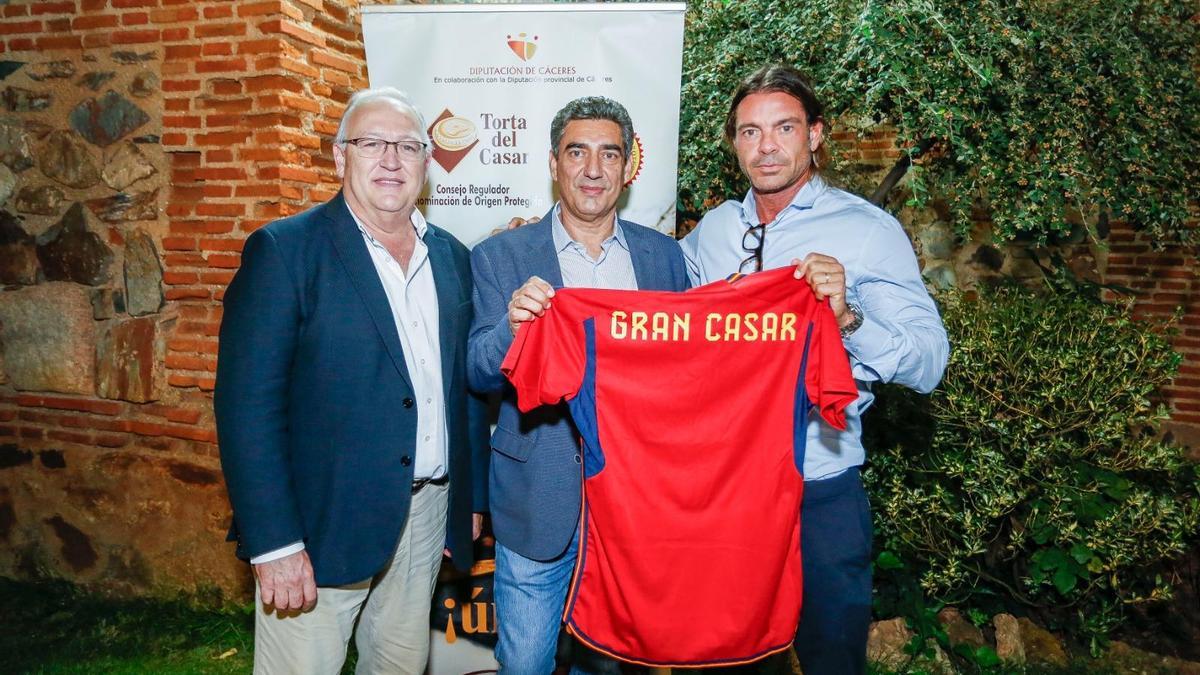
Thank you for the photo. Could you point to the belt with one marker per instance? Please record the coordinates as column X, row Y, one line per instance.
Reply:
column 420, row 483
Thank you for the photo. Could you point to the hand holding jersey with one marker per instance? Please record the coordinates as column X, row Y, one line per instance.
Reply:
column 529, row 302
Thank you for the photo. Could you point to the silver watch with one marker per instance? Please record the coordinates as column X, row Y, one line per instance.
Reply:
column 849, row 328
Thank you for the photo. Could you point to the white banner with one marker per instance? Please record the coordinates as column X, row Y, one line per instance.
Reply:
column 489, row 79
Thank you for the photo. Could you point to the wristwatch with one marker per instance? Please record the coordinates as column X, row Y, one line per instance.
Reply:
column 849, row 328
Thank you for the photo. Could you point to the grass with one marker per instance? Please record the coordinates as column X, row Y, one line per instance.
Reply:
column 53, row 627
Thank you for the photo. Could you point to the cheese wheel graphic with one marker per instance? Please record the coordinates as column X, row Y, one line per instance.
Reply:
column 454, row 133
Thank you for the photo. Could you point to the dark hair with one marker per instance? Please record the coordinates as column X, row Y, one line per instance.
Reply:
column 775, row 77
column 592, row 108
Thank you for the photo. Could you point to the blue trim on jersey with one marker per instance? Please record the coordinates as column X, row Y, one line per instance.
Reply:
column 800, row 430
column 583, row 407
column 583, row 412
column 580, row 563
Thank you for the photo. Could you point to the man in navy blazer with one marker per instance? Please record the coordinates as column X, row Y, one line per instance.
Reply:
column 536, row 468
column 352, row 451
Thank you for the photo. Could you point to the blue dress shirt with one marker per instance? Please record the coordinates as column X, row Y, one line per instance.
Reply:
column 901, row 340
column 613, row 269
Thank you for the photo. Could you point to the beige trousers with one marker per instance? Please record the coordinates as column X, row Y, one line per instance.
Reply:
column 392, row 609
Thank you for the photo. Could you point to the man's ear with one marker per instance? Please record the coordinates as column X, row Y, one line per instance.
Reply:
column 339, row 160
column 816, row 135
column 553, row 167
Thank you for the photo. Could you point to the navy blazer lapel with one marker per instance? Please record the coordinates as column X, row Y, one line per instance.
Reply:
column 645, row 268
column 542, row 258
column 445, row 278
column 352, row 250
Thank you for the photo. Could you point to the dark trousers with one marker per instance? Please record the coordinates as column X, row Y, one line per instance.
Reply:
column 835, row 534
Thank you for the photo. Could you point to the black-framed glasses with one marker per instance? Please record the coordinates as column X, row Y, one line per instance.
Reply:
column 752, row 241
column 374, row 148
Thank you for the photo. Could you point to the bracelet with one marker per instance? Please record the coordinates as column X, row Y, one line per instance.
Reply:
column 849, row 328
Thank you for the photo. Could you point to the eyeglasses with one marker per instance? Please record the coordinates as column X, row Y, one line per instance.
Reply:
column 374, row 148
column 752, row 241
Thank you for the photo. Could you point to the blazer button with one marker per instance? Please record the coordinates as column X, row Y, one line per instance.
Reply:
column 578, row 459
column 405, row 460
column 407, row 403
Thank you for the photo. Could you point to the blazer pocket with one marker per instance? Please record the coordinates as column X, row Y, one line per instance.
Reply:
column 511, row 445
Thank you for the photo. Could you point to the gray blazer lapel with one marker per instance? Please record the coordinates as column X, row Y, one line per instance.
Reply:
column 348, row 243
column 445, row 278
column 646, row 269
column 542, row 259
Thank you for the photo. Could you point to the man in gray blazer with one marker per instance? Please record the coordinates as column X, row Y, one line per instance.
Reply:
column 536, row 470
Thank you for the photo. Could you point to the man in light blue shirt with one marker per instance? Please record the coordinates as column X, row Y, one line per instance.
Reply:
column 860, row 259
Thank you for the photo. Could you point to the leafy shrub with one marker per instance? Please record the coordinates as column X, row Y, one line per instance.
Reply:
column 1036, row 472
column 1045, row 114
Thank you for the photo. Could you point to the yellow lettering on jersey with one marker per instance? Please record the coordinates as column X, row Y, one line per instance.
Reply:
column 709, row 333
column 750, row 325
column 733, row 327
column 637, row 331
column 658, row 324
column 681, row 326
column 620, row 329
column 787, row 331
column 770, row 326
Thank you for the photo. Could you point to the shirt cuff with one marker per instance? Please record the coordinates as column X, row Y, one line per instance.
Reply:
column 866, row 343
column 271, row 556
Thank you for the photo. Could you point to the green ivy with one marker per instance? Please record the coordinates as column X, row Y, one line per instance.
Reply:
column 1036, row 473
column 1045, row 116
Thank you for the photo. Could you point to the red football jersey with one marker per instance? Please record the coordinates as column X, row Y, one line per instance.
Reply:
column 692, row 409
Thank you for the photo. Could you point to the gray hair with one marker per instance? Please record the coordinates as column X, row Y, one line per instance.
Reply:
column 592, row 108
column 387, row 94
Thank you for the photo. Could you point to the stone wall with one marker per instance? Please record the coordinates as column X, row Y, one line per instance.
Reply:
column 140, row 142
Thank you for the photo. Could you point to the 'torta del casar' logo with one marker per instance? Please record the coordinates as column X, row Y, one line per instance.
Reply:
column 453, row 137
column 522, row 46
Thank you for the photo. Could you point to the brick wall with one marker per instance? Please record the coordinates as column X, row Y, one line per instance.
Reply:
column 1165, row 281
column 252, row 101
column 118, row 491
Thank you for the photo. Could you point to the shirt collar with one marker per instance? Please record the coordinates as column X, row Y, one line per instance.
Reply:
column 417, row 219
column 804, row 199
column 563, row 240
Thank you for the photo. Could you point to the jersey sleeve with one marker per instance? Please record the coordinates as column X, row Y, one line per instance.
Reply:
column 546, row 360
column 829, row 383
